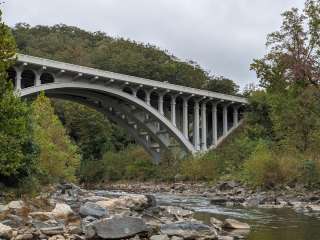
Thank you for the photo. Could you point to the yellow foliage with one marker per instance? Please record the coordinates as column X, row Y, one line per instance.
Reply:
column 59, row 159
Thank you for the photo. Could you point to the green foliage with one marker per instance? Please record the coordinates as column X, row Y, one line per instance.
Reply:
column 222, row 85
column 58, row 158
column 98, row 50
column 132, row 163
column 17, row 150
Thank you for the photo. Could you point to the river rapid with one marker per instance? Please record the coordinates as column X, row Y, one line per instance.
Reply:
column 266, row 224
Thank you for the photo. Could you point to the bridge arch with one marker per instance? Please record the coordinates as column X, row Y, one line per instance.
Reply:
column 159, row 115
column 140, row 117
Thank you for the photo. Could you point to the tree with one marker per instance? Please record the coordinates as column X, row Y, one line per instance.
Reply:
column 222, row 85
column 17, row 150
column 290, row 74
column 293, row 58
column 59, row 159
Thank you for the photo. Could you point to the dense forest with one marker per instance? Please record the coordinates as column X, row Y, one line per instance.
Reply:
column 279, row 143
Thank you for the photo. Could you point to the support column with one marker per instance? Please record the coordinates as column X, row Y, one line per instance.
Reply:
column 225, row 119
column 204, row 126
column 37, row 80
column 185, row 118
column 160, row 103
column 214, row 125
column 235, row 116
column 173, row 110
column 196, row 135
column 134, row 92
column 148, row 97
column 18, row 80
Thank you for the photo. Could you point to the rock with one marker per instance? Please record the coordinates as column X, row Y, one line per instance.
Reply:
column 13, row 221
column 95, row 199
column 188, row 229
column 74, row 229
column 25, row 236
column 177, row 211
column 93, row 209
column 159, row 237
column 151, row 200
column 16, row 205
column 3, row 208
column 52, row 230
column 41, row 215
column 235, row 224
column 132, row 201
column 176, row 238
column 89, row 230
column 254, row 201
column 57, row 237
column 313, row 207
column 62, row 210
column 218, row 200
column 225, row 186
column 216, row 222
column 119, row 227
column 225, row 238
column 5, row 231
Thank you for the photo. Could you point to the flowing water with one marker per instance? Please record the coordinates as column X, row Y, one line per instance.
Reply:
column 266, row 224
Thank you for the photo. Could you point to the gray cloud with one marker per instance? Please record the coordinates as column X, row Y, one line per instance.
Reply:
column 222, row 36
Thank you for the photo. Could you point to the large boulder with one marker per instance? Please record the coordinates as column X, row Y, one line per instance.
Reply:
column 16, row 205
column 62, row 210
column 188, row 229
column 119, row 227
column 235, row 224
column 5, row 231
column 93, row 209
column 131, row 201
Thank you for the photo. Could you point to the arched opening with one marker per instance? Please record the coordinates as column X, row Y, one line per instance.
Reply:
column 27, row 79
column 154, row 100
column 179, row 113
column 141, row 94
column 220, row 120
column 167, row 106
column 12, row 75
column 230, row 117
column 46, row 78
column 127, row 90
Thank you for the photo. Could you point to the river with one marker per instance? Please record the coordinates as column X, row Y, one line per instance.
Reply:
column 266, row 224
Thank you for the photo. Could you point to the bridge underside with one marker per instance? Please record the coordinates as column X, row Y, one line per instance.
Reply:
column 161, row 117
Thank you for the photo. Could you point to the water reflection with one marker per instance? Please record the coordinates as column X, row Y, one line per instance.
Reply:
column 266, row 224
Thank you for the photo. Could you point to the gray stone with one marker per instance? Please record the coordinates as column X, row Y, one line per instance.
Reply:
column 176, row 238
column 5, row 231
column 159, row 237
column 119, row 227
column 177, row 211
column 235, row 224
column 93, row 209
column 52, row 230
column 16, row 205
column 188, row 229
column 62, row 210
column 25, row 236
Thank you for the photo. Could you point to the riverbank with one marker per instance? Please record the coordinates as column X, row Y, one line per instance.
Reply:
column 70, row 212
column 145, row 211
column 232, row 194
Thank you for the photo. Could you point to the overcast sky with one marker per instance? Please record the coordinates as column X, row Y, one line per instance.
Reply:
column 223, row 36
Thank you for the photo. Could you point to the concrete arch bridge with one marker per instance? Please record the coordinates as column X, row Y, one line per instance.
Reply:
column 160, row 116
